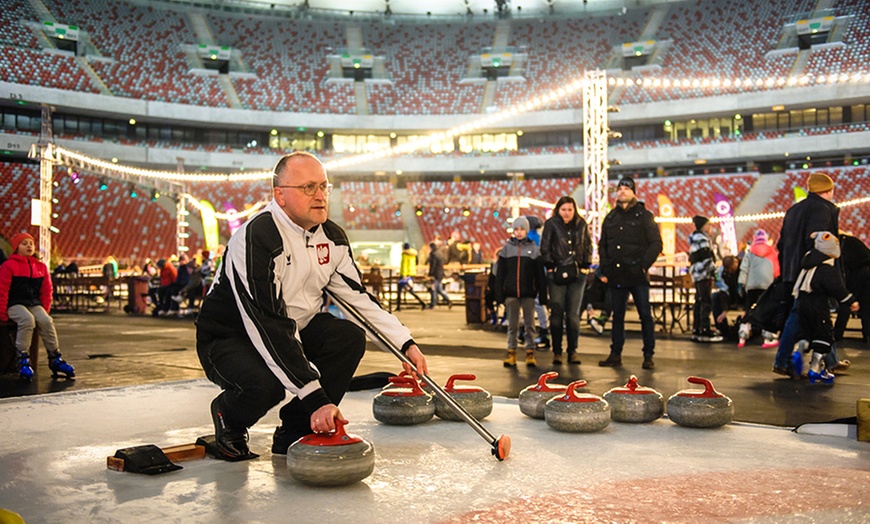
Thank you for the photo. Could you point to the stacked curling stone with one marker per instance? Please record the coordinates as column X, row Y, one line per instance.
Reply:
column 533, row 399
column 403, row 403
column 577, row 412
column 693, row 408
column 332, row 459
column 634, row 403
column 476, row 401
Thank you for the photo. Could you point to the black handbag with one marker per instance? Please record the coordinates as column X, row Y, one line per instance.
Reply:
column 566, row 274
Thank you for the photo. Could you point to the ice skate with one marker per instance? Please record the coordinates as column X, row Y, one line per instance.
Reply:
column 708, row 336
column 817, row 374
column 25, row 372
column 797, row 358
column 823, row 378
column 744, row 331
column 770, row 340
column 59, row 367
column 596, row 325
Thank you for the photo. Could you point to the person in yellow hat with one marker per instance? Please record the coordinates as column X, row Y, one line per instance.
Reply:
column 817, row 212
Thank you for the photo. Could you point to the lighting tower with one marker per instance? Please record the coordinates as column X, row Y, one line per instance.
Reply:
column 595, row 131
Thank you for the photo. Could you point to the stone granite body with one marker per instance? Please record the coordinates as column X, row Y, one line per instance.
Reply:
column 700, row 409
column 635, row 404
column 533, row 399
column 478, row 404
column 403, row 403
column 331, row 465
column 577, row 413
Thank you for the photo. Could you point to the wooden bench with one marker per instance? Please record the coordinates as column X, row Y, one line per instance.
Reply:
column 8, row 360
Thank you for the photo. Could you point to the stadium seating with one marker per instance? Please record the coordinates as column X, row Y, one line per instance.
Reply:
column 720, row 38
column 370, row 205
column 146, row 44
column 12, row 14
column 487, row 221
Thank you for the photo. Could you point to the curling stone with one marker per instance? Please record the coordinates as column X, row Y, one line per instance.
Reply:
column 476, row 401
column 331, row 459
column 534, row 398
column 700, row 409
column 577, row 412
column 634, row 403
column 404, row 404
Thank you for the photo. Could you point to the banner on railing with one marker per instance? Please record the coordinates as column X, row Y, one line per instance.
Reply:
column 726, row 224
column 668, row 229
column 209, row 226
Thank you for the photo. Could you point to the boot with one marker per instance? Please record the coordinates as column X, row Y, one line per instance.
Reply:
column 510, row 361
column 574, row 358
column 232, row 443
column 648, row 362
column 612, row 361
column 25, row 372
column 543, row 340
column 58, row 366
column 282, row 438
column 530, row 358
column 557, row 359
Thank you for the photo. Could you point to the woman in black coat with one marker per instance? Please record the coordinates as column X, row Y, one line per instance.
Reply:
column 566, row 249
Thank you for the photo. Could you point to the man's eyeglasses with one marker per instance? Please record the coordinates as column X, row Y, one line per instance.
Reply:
column 312, row 188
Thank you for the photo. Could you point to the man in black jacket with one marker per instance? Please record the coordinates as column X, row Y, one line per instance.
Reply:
column 261, row 332
column 814, row 213
column 630, row 244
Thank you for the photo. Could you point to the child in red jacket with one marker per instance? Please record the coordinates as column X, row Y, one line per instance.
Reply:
column 25, row 298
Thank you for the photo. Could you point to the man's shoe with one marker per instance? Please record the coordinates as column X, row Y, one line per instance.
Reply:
column 784, row 371
column 557, row 359
column 283, row 438
column 510, row 361
column 612, row 361
column 232, row 443
column 596, row 325
column 574, row 358
column 530, row 359
column 648, row 363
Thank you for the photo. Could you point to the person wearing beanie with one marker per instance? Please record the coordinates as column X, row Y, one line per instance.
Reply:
column 627, row 182
column 818, row 282
column 566, row 250
column 25, row 298
column 759, row 268
column 702, row 257
column 521, row 223
column 819, row 183
column 407, row 272
column 520, row 279
column 630, row 244
column 816, row 212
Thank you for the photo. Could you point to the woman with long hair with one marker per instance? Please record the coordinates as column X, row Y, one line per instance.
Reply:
column 566, row 249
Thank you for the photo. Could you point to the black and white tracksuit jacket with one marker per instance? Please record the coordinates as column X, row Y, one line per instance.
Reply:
column 270, row 284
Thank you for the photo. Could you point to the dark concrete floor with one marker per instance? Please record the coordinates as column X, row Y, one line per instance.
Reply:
column 114, row 350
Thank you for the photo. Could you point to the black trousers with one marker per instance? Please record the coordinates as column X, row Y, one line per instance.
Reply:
column 334, row 345
column 703, row 305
